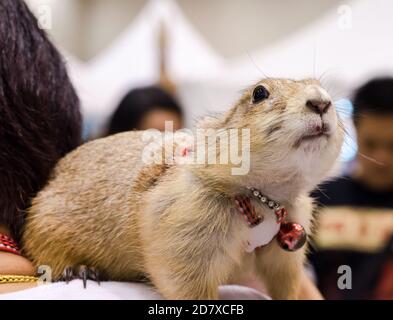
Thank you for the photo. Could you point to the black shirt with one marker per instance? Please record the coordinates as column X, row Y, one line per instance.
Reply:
column 355, row 230
column 348, row 191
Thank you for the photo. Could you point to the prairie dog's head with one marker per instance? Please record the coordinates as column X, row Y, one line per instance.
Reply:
column 294, row 130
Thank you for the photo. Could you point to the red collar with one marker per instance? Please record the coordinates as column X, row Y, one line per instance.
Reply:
column 243, row 204
column 291, row 235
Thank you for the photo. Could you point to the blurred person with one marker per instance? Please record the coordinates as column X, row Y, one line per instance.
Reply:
column 356, row 213
column 146, row 108
column 40, row 122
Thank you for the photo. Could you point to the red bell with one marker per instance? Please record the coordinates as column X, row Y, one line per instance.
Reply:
column 291, row 236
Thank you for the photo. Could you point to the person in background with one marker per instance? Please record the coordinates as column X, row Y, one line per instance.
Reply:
column 146, row 108
column 40, row 122
column 356, row 210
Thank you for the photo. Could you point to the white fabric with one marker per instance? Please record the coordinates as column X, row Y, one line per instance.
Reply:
column 323, row 45
column 131, row 59
column 263, row 233
column 116, row 291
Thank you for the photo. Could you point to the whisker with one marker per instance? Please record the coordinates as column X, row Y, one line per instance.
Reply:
column 351, row 146
column 370, row 159
column 256, row 66
column 314, row 59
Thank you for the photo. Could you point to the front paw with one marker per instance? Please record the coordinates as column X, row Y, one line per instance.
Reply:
column 82, row 272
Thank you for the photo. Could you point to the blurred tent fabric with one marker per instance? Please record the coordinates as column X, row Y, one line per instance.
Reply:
column 344, row 46
column 132, row 59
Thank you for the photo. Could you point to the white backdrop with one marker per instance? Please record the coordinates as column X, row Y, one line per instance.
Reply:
column 348, row 44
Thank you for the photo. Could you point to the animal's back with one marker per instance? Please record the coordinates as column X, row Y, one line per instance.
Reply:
column 82, row 215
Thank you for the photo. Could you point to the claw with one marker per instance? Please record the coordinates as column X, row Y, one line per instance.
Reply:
column 83, row 274
column 68, row 274
column 94, row 275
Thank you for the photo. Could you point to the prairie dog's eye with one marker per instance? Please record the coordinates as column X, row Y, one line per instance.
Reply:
column 260, row 93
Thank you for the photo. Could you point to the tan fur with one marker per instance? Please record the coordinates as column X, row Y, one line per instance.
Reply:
column 176, row 224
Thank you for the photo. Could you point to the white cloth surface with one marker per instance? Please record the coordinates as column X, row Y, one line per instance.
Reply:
column 116, row 291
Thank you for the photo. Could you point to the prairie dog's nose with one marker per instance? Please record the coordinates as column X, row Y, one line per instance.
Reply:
column 317, row 99
column 318, row 105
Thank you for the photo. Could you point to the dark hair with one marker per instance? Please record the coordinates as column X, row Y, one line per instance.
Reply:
column 137, row 103
column 40, row 119
column 376, row 96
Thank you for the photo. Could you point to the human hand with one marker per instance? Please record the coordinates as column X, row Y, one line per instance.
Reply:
column 13, row 264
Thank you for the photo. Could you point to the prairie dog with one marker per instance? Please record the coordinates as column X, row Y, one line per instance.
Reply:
column 175, row 224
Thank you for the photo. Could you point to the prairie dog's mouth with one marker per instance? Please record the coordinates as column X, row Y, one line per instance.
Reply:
column 313, row 136
column 315, row 133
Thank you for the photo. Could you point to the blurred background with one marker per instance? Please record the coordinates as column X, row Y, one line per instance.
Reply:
column 207, row 51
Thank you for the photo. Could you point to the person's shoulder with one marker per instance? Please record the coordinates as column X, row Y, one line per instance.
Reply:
column 335, row 191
